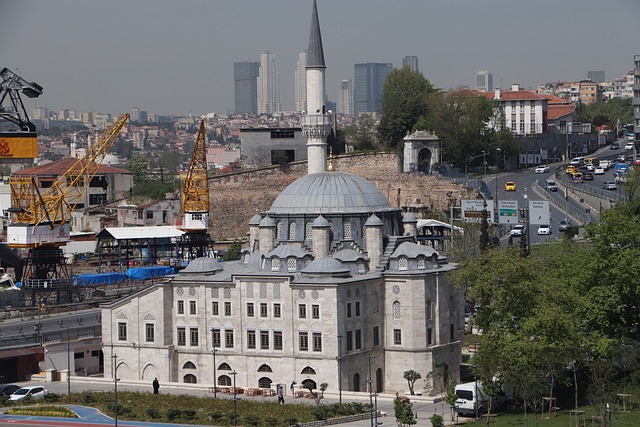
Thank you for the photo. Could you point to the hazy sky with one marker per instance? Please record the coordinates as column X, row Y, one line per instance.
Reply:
column 176, row 56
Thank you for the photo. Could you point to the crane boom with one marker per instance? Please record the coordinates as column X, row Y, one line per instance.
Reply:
column 195, row 191
column 11, row 86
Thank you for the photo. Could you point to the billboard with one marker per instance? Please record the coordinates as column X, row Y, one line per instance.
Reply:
column 508, row 212
column 474, row 210
column 18, row 145
column 539, row 212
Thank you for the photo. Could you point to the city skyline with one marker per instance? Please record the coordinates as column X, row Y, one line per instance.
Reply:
column 177, row 58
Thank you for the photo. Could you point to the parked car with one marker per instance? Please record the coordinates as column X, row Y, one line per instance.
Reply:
column 518, row 230
column 542, row 169
column 609, row 185
column 564, row 224
column 8, row 389
column 599, row 170
column 509, row 186
column 35, row 392
column 544, row 229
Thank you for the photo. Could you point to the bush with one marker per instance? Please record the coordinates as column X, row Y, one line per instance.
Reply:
column 87, row 398
column 291, row 421
column 271, row 421
column 216, row 415
column 322, row 412
column 252, row 420
column 52, row 397
column 173, row 413
column 153, row 413
column 437, row 420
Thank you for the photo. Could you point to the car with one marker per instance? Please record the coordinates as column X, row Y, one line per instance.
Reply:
column 609, row 185
column 614, row 146
column 587, row 176
column 509, row 186
column 564, row 225
column 590, row 167
column 599, row 171
column 570, row 170
column 629, row 146
column 542, row 169
column 518, row 230
column 36, row 392
column 8, row 389
column 630, row 137
column 544, row 229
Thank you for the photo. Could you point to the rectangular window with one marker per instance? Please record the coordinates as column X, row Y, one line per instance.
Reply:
column 397, row 336
column 302, row 311
column 250, row 309
column 180, row 307
column 264, row 340
column 263, row 309
column 452, row 335
column 193, row 336
column 277, row 340
column 357, row 308
column 215, row 337
column 349, row 340
column 192, row 307
column 251, row 339
column 149, row 214
column 215, row 310
column 78, row 355
column 228, row 339
column 303, row 337
column 348, row 309
column 95, row 353
column 317, row 342
column 182, row 336
column 358, row 339
column 227, row 308
column 149, row 332
column 277, row 310
column 315, row 311
column 429, row 337
column 376, row 335
column 122, row 331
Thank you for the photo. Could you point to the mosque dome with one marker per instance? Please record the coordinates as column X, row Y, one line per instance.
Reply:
column 330, row 193
column 202, row 265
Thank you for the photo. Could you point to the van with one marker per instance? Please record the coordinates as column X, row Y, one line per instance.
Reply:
column 577, row 162
column 471, row 396
column 551, row 185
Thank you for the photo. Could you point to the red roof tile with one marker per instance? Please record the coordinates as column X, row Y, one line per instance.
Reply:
column 58, row 167
column 556, row 111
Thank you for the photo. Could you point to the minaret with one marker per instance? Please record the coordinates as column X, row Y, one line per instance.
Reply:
column 316, row 124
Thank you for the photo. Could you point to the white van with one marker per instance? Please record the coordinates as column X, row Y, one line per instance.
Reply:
column 577, row 162
column 470, row 396
column 551, row 185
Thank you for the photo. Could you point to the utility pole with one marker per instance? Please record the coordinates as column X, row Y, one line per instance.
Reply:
column 68, row 363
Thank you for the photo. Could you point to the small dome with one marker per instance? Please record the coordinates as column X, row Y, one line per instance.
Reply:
column 267, row 221
column 326, row 266
column 374, row 221
column 349, row 255
column 320, row 222
column 202, row 265
column 286, row 251
column 409, row 217
column 255, row 220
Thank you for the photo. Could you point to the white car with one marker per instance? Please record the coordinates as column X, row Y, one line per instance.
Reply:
column 542, row 169
column 35, row 392
column 598, row 171
column 544, row 229
column 518, row 230
column 590, row 167
column 629, row 146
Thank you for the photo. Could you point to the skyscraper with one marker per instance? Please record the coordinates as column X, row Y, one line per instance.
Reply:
column 345, row 97
column 268, row 85
column 369, row 85
column 484, row 81
column 245, row 79
column 301, row 82
column 410, row 62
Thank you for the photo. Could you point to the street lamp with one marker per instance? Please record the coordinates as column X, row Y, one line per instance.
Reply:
column 215, row 375
column 370, row 390
column 340, row 367
column 235, row 401
column 68, row 364
column 115, row 388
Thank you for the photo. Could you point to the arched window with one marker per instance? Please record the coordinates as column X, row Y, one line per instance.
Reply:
column 346, row 230
column 190, row 379
column 264, row 382
column 421, row 263
column 361, row 267
column 224, row 380
column 224, row 367
column 379, row 381
column 292, row 230
column 291, row 264
column 279, row 229
column 402, row 263
column 275, row 264
column 189, row 365
column 356, row 382
column 265, row 368
column 308, row 370
column 397, row 312
column 246, row 258
column 308, row 231
column 309, row 384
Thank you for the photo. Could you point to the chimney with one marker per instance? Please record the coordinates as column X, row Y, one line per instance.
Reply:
column 515, row 87
column 496, row 94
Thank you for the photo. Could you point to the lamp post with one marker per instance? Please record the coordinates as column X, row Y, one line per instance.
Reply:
column 370, row 390
column 68, row 363
column 215, row 375
column 451, row 203
column 340, row 367
column 235, row 401
column 115, row 388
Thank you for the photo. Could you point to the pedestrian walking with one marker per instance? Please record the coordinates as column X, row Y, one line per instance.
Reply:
column 156, row 386
column 280, row 393
column 293, row 383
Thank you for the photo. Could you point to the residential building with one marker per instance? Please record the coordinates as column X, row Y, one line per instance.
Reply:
column 300, row 78
column 410, row 62
column 369, row 86
column 589, row 92
column 245, row 83
column 268, row 85
column 259, row 144
column 596, row 76
column 484, row 81
column 636, row 98
column 345, row 97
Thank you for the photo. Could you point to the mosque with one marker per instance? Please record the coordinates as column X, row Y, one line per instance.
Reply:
column 332, row 288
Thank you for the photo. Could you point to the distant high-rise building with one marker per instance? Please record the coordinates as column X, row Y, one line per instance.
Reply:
column 345, row 97
column 410, row 62
column 596, row 76
column 134, row 114
column 369, row 85
column 301, row 82
column 484, row 81
column 268, row 85
column 245, row 81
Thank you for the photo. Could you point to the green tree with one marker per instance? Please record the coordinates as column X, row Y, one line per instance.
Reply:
column 140, row 168
column 411, row 376
column 403, row 410
column 362, row 135
column 279, row 157
column 403, row 103
column 233, row 253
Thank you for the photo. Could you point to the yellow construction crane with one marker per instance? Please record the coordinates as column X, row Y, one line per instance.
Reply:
column 41, row 216
column 196, row 241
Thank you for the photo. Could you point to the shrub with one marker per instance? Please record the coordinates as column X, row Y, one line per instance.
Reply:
column 322, row 412
column 437, row 420
column 271, row 421
column 52, row 397
column 252, row 420
column 173, row 413
column 153, row 413
column 291, row 421
column 87, row 398
column 216, row 415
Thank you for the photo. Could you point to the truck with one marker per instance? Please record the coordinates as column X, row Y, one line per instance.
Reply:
column 620, row 168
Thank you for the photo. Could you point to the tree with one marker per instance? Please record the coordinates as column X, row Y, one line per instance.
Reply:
column 279, row 157
column 140, row 168
column 309, row 385
column 362, row 135
column 403, row 103
column 411, row 376
column 403, row 410
column 233, row 253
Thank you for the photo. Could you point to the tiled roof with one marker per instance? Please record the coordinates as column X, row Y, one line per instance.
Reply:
column 58, row 167
column 555, row 111
column 510, row 95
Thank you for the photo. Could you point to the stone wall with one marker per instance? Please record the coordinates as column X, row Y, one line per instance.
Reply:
column 236, row 197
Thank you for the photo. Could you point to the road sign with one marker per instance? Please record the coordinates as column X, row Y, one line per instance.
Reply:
column 508, row 211
column 474, row 210
column 539, row 212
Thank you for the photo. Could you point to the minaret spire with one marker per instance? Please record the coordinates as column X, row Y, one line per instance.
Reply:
column 316, row 124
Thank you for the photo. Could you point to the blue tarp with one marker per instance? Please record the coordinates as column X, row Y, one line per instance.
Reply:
column 98, row 279
column 141, row 273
